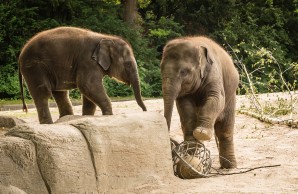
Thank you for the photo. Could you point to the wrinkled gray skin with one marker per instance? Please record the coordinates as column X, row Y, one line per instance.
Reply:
column 60, row 59
column 201, row 77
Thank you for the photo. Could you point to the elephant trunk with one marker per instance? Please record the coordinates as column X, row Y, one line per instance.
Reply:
column 135, row 83
column 169, row 96
column 168, row 110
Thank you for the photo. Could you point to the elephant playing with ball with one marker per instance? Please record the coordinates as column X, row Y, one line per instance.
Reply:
column 57, row 60
column 200, row 76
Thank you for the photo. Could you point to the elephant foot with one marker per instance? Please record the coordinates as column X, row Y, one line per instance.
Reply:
column 202, row 133
column 109, row 112
column 228, row 162
column 227, row 157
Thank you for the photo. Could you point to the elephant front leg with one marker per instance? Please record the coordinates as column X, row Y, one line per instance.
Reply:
column 88, row 106
column 43, row 112
column 208, row 112
column 187, row 112
column 95, row 94
column 63, row 102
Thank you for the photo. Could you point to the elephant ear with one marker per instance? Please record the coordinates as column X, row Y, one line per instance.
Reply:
column 205, row 61
column 102, row 54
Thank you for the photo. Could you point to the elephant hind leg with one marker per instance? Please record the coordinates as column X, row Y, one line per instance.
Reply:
column 226, row 152
column 39, row 87
column 41, row 96
column 224, row 130
column 63, row 103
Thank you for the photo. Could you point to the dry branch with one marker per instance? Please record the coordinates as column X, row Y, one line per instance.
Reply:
column 264, row 118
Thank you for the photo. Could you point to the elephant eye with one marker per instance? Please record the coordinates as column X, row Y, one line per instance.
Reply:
column 127, row 64
column 183, row 72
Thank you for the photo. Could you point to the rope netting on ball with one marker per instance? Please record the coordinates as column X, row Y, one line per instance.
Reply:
column 191, row 160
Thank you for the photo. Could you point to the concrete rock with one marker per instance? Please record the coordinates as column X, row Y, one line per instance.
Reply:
column 18, row 166
column 9, row 122
column 106, row 154
column 62, row 156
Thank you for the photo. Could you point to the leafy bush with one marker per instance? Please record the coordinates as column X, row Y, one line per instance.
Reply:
column 150, row 81
column 116, row 89
column 75, row 94
column 9, row 82
column 160, row 30
column 16, row 27
column 257, row 35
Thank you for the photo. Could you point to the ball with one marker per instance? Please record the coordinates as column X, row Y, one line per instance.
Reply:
column 190, row 171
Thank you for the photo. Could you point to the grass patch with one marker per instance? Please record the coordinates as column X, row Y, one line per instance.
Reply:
column 13, row 102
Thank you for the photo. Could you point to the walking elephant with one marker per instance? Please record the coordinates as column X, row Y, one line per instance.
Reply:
column 63, row 58
column 200, row 76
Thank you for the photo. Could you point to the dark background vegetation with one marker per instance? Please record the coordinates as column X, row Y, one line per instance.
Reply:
column 261, row 34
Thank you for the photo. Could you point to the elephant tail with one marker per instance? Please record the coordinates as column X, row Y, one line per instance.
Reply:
column 25, row 109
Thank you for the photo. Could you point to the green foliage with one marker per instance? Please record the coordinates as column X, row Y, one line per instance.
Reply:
column 161, row 30
column 9, row 82
column 265, row 70
column 17, row 24
column 150, row 81
column 258, row 34
column 75, row 93
column 116, row 89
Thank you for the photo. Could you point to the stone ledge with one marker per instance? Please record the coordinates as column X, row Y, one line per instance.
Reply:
column 98, row 154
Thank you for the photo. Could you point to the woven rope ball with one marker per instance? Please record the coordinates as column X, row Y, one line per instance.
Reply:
column 191, row 160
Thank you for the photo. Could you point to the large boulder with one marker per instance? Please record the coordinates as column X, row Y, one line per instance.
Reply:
column 106, row 154
column 62, row 157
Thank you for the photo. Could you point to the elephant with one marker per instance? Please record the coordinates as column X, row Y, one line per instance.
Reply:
column 63, row 58
column 199, row 75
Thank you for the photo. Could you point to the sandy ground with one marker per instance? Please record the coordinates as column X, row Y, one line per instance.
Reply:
column 257, row 144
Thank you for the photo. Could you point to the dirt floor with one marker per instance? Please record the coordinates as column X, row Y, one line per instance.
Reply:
column 258, row 144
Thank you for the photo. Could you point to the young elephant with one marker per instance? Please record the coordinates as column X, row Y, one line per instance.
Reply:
column 201, row 77
column 57, row 60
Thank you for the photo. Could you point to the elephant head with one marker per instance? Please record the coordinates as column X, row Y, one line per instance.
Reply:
column 184, row 67
column 116, row 58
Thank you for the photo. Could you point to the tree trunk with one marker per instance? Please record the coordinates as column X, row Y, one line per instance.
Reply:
column 130, row 11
